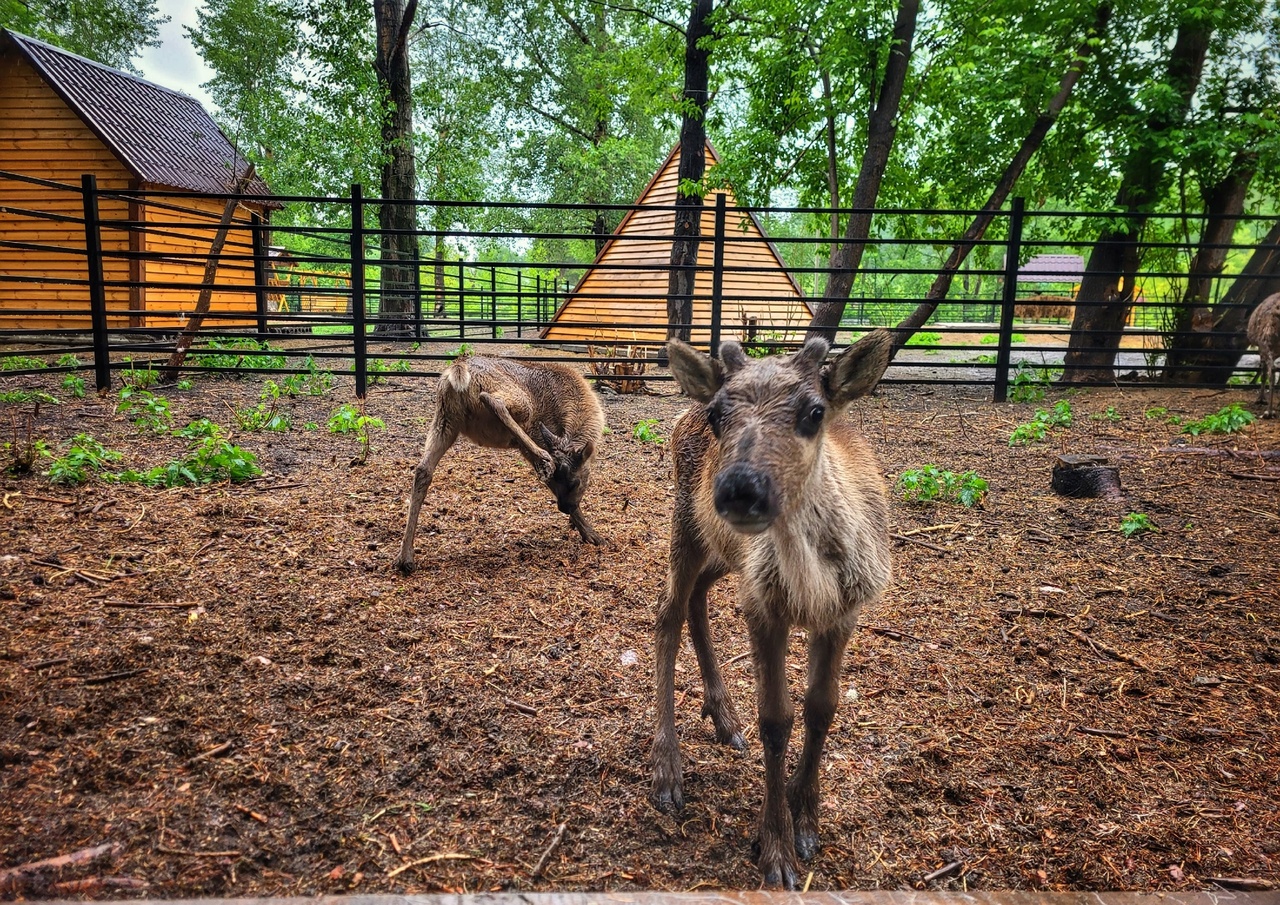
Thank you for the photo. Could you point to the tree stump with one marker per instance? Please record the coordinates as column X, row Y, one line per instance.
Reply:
column 1085, row 476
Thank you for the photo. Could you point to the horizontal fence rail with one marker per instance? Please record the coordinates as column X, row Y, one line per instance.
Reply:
column 117, row 280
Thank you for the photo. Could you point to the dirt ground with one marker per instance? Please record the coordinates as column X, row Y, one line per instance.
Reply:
column 232, row 688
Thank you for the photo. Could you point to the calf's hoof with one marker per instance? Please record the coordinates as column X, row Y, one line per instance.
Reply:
column 780, row 873
column 666, row 793
column 669, row 800
column 405, row 566
column 806, row 843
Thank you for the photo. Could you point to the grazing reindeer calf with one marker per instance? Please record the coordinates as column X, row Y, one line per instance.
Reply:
column 771, row 483
column 500, row 403
column 1264, row 332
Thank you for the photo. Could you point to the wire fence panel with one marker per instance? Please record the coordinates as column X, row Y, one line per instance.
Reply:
column 286, row 282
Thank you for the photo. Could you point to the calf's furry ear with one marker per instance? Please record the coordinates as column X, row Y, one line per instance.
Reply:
column 858, row 369
column 699, row 375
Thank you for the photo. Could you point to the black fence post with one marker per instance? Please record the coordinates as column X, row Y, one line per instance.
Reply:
column 417, row 290
column 462, row 303
column 1013, row 251
column 97, row 288
column 260, row 276
column 359, row 343
column 519, row 303
column 717, row 276
column 493, row 302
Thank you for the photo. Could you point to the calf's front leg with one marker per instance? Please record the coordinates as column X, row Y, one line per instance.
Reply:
column 777, row 844
column 826, row 657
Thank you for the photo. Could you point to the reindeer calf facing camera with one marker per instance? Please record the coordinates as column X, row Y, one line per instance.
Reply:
column 547, row 412
column 771, row 483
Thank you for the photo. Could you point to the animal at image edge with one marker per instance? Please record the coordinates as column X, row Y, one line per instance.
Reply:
column 771, row 483
column 1264, row 332
column 547, row 412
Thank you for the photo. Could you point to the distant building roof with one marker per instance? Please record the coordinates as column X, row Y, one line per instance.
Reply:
column 164, row 137
column 1052, row 269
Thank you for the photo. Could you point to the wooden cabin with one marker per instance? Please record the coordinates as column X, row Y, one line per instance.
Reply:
column 622, row 298
column 62, row 116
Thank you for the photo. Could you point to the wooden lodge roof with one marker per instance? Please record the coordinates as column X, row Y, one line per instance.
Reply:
column 622, row 298
column 163, row 137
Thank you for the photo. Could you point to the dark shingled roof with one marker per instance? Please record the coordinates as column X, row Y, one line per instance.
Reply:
column 1052, row 269
column 165, row 138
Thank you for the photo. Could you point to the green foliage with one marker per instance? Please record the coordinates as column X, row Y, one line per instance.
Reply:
column 263, row 416
column 1037, row 429
column 84, row 456
column 314, row 382
column 112, row 32
column 140, row 379
column 1109, row 414
column 930, row 483
column 212, row 459
column 232, row 353
column 1028, row 383
column 461, row 352
column 924, row 339
column 646, row 431
column 346, row 419
column 990, row 339
column 21, row 363
column 1136, row 523
column 144, row 408
column 23, row 397
column 378, row 369
column 198, row 429
column 74, row 384
column 1228, row 420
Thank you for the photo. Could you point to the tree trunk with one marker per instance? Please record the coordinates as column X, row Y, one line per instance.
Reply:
column 882, row 128
column 1193, row 319
column 978, row 228
column 396, row 221
column 693, row 166
column 1217, row 357
column 1106, row 290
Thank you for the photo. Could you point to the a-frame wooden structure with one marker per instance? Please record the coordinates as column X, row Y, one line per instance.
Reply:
column 622, row 298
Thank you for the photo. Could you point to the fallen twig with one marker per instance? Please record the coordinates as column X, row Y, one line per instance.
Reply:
column 943, row 871
column 138, row 605
column 1104, row 733
column 546, row 856
column 1228, row 453
column 113, row 676
column 923, row 543
column 929, row 528
column 523, row 708
column 212, row 752
column 1109, row 651
column 48, row 499
column 261, row 818
column 1039, row 613
column 14, row 878
column 1244, row 475
column 234, row 853
column 93, row 884
column 1243, row 884
column 439, row 856
column 45, row 664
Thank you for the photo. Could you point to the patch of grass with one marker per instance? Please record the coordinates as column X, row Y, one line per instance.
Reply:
column 930, row 483
column 1109, row 414
column 1229, row 420
column 140, row 378
column 1136, row 523
column 991, row 339
column 231, row 353
column 646, row 431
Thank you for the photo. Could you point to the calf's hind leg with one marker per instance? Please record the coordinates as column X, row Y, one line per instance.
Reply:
column 439, row 439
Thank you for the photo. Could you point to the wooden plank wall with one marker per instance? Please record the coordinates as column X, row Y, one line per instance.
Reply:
column 178, row 232
column 40, row 136
column 633, row 296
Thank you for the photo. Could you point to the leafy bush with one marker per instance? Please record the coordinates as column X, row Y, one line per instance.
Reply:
column 238, row 352
column 199, row 429
column 21, row 363
column 1228, row 420
column 1029, row 383
column 1136, row 523
column 314, row 382
column 929, row 483
column 346, row 419
column 23, row 397
column 140, row 379
column 1110, row 414
column 84, row 456
column 646, row 431
column 1038, row 427
column 147, row 410
column 212, row 459
column 74, row 384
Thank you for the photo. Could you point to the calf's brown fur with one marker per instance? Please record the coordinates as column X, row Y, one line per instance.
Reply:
column 771, row 483
column 504, row 404
column 1264, row 332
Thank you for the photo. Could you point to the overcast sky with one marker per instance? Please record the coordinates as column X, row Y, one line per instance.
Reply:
column 175, row 63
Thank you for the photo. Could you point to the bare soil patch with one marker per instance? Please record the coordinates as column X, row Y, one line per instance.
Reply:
column 233, row 686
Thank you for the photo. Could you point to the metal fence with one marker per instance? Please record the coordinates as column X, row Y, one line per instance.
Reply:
column 121, row 278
